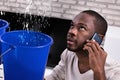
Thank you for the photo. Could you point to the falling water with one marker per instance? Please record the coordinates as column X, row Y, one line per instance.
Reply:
column 30, row 21
column 2, row 13
column 37, row 23
column 25, row 27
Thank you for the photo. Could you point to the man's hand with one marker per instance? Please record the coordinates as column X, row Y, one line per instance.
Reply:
column 97, row 59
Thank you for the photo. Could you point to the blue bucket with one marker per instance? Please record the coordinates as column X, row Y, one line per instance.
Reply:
column 3, row 26
column 25, row 54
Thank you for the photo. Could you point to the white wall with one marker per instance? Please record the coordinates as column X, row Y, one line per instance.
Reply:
column 112, row 42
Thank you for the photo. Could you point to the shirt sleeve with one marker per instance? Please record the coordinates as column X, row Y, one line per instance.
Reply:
column 58, row 72
column 112, row 69
column 115, row 76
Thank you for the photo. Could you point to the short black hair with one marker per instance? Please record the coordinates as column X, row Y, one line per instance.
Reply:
column 99, row 22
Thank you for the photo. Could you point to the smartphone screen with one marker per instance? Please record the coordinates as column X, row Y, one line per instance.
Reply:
column 97, row 38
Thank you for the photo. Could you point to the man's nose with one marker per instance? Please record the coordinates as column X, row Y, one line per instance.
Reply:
column 73, row 30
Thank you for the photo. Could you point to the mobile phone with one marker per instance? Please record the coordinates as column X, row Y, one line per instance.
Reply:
column 97, row 38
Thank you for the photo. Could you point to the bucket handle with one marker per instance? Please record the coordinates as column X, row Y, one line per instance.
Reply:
column 8, row 50
column 4, row 53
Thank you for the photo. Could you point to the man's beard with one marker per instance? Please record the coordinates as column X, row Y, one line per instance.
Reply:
column 79, row 49
column 75, row 49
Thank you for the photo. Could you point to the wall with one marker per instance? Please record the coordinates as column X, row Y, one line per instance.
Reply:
column 112, row 43
column 65, row 9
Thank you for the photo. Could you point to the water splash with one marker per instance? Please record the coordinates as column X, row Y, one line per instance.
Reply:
column 2, row 13
column 37, row 23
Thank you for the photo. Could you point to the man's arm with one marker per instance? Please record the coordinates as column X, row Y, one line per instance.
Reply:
column 100, row 75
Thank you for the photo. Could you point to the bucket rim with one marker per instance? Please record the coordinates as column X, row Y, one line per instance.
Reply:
column 7, row 24
column 40, row 46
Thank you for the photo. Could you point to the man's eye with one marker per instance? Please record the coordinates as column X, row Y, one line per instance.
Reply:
column 81, row 28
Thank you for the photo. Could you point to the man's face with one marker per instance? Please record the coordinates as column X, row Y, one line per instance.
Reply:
column 82, row 29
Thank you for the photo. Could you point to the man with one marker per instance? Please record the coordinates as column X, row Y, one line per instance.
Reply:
column 84, row 59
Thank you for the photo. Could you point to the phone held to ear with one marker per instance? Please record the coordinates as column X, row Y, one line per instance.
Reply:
column 97, row 38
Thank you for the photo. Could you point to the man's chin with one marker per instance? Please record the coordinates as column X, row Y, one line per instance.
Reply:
column 74, row 50
column 70, row 49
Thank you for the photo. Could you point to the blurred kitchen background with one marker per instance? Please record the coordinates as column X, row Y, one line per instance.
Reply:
column 53, row 17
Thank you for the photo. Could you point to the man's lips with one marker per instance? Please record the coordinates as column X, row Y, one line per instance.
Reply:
column 70, row 41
